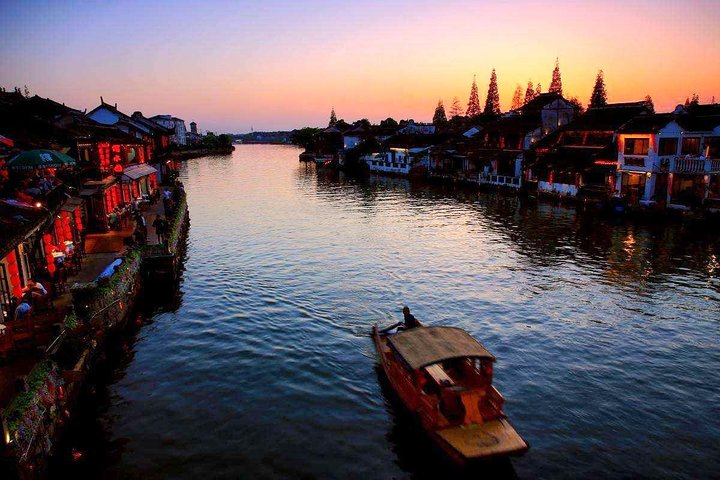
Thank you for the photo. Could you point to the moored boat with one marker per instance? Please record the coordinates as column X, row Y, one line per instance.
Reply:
column 444, row 376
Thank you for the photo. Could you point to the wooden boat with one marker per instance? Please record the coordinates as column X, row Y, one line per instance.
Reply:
column 307, row 157
column 444, row 376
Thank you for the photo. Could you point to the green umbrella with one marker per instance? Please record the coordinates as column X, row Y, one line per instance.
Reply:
column 39, row 159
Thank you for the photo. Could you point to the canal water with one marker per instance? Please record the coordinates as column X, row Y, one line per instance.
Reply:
column 606, row 334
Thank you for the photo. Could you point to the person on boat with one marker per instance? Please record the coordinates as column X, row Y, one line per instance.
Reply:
column 409, row 321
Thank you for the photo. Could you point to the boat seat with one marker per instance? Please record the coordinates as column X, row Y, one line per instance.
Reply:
column 439, row 375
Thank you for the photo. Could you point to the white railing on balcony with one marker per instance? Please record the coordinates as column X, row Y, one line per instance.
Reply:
column 689, row 165
column 500, row 180
column 714, row 165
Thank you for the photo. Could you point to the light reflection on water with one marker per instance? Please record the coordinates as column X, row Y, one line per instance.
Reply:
column 606, row 335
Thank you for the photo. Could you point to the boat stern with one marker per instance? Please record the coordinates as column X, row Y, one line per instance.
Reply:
column 489, row 439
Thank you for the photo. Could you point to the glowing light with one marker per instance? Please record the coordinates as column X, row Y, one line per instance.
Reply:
column 6, row 431
column 38, row 204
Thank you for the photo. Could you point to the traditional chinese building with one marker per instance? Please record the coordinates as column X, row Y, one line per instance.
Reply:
column 579, row 159
column 176, row 125
column 671, row 159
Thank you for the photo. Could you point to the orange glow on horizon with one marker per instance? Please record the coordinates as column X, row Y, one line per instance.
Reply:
column 285, row 65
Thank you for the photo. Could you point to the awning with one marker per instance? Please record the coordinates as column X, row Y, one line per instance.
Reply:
column 424, row 346
column 99, row 184
column 88, row 192
column 72, row 204
column 39, row 159
column 134, row 172
column 6, row 141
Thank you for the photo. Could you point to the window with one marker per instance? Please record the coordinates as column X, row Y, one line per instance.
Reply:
column 713, row 144
column 5, row 294
column 668, row 146
column 691, row 146
column 635, row 162
column 636, row 146
column 633, row 183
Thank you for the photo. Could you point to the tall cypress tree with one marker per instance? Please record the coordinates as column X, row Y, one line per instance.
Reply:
column 529, row 92
column 538, row 90
column 333, row 118
column 439, row 118
column 456, row 110
column 599, row 95
column 517, row 100
column 473, row 108
column 556, row 83
column 649, row 103
column 492, row 102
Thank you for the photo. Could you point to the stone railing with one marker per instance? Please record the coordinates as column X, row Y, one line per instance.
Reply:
column 110, row 297
column 175, row 234
column 501, row 180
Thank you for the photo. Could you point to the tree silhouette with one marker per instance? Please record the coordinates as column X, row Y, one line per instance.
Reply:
column 538, row 89
column 492, row 101
column 577, row 104
column 556, row 83
column 649, row 103
column 695, row 100
column 517, row 100
column 599, row 95
column 333, row 118
column 455, row 109
column 439, row 118
column 529, row 92
column 473, row 107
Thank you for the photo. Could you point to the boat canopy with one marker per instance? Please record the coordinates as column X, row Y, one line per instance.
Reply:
column 423, row 346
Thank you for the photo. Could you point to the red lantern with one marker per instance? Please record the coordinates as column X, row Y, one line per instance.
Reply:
column 104, row 156
column 13, row 270
column 50, row 263
column 16, row 288
column 10, row 259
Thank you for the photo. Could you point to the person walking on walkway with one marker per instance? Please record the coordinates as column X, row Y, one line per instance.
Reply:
column 140, row 223
column 160, row 226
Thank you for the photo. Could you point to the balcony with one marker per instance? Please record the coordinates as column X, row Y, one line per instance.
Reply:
column 692, row 165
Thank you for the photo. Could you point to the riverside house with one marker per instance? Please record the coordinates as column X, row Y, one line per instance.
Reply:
column 402, row 154
column 498, row 157
column 580, row 158
column 672, row 159
column 63, row 176
column 176, row 125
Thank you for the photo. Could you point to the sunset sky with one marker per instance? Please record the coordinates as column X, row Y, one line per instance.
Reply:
column 281, row 64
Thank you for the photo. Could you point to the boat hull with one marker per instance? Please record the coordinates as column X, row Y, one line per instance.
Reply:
column 463, row 443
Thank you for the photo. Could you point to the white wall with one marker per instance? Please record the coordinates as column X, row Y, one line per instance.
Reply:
column 559, row 188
